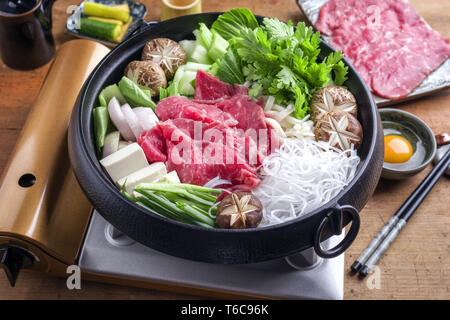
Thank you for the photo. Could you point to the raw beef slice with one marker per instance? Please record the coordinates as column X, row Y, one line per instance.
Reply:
column 153, row 145
column 181, row 107
column 392, row 48
column 210, row 88
column 192, row 167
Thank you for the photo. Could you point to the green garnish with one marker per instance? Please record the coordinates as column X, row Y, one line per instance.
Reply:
column 179, row 201
column 276, row 59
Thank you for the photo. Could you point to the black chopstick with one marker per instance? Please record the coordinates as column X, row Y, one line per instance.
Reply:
column 407, row 210
column 356, row 266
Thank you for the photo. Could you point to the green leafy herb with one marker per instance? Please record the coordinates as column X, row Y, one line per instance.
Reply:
column 230, row 68
column 230, row 24
column 281, row 61
column 278, row 30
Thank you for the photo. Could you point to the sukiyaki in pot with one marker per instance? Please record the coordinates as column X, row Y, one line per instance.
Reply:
column 314, row 171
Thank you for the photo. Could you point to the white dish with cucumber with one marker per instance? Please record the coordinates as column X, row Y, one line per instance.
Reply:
column 106, row 21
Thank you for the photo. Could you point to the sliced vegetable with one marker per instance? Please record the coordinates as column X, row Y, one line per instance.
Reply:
column 155, row 205
column 196, row 214
column 185, row 77
column 185, row 84
column 218, row 47
column 119, row 120
column 171, row 90
column 204, row 36
column 213, row 69
column 147, row 117
column 177, row 187
column 101, row 120
column 101, row 10
column 123, row 7
column 118, row 22
column 183, row 202
column 178, row 211
column 132, row 120
column 99, row 29
column 200, row 54
column 123, row 30
column 188, row 46
column 111, row 145
column 134, row 95
column 215, row 45
column 193, row 66
column 108, row 93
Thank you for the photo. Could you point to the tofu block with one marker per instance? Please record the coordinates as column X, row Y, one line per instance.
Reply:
column 124, row 161
column 151, row 173
column 172, row 176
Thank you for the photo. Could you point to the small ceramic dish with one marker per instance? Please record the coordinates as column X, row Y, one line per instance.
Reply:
column 137, row 11
column 417, row 133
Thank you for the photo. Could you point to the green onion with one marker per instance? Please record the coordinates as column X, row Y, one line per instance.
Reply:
column 183, row 202
column 176, row 187
column 205, row 196
column 196, row 214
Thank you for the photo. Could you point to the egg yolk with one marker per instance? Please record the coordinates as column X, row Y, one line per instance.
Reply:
column 397, row 149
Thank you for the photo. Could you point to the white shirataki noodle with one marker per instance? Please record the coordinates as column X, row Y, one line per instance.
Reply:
column 302, row 176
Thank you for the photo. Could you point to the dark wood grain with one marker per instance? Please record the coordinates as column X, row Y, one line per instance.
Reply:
column 417, row 266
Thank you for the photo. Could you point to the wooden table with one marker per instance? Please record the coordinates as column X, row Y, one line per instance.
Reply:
column 417, row 266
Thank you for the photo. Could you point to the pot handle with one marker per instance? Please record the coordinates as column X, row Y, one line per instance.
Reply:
column 334, row 219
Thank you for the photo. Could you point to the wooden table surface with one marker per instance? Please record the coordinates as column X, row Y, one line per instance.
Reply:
column 417, row 266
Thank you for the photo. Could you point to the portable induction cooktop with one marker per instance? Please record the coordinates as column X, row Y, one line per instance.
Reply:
column 46, row 223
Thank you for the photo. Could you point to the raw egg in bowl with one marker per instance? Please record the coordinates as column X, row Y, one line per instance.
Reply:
column 409, row 144
column 397, row 149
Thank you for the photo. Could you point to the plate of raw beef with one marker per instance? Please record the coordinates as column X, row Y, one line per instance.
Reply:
column 399, row 56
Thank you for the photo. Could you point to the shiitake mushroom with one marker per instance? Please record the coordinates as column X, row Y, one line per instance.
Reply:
column 146, row 73
column 168, row 54
column 239, row 210
column 340, row 129
column 332, row 98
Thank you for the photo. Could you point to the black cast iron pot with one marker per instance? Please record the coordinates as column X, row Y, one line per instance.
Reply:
column 217, row 245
